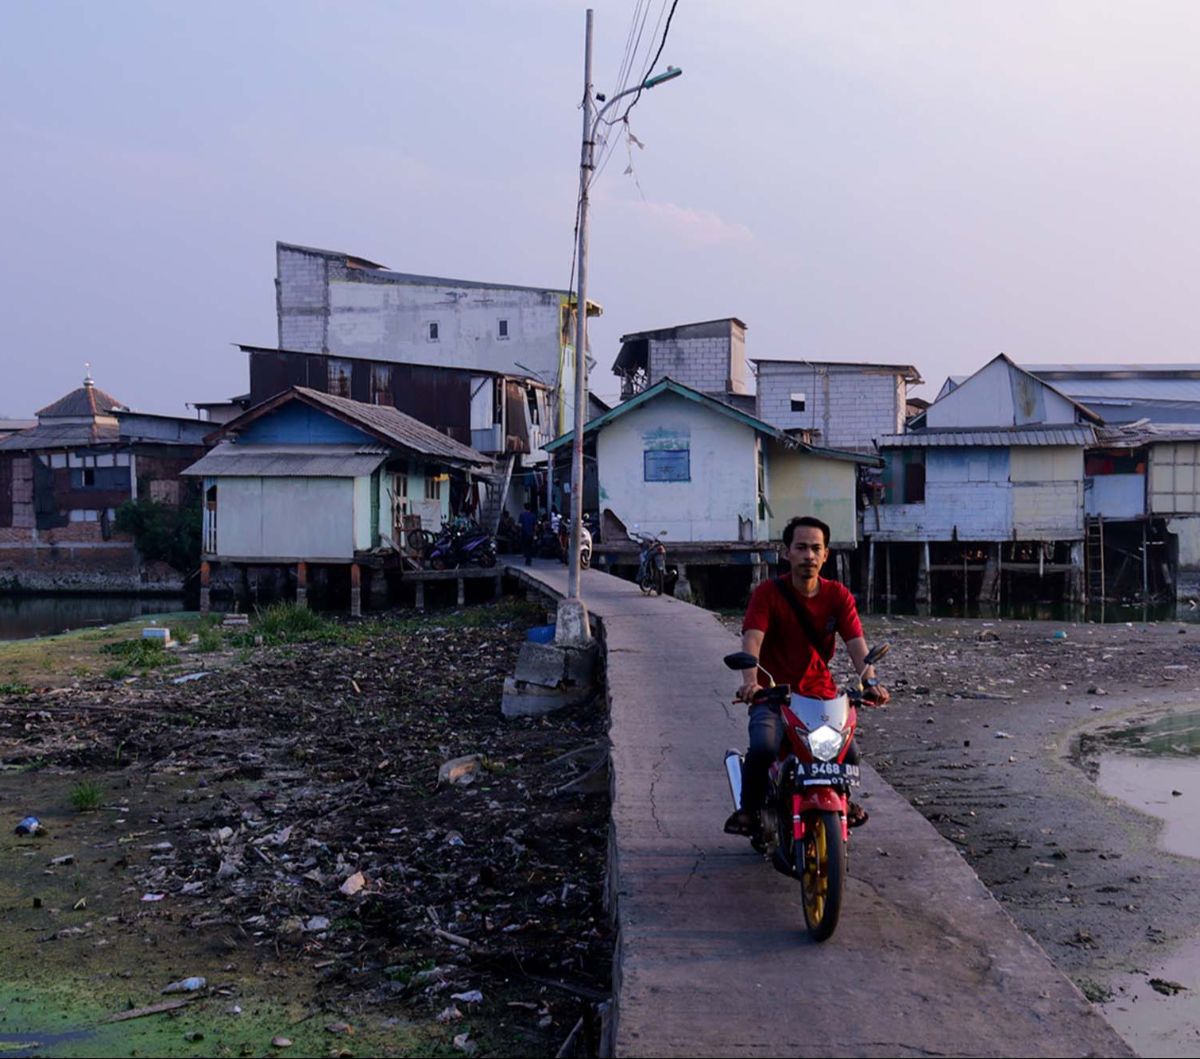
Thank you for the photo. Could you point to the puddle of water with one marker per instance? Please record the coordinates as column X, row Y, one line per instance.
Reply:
column 1155, row 1024
column 1147, row 783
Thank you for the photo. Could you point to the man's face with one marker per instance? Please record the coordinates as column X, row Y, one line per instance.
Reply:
column 807, row 552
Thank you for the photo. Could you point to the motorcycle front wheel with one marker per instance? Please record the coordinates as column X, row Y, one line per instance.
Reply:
column 646, row 582
column 487, row 557
column 821, row 866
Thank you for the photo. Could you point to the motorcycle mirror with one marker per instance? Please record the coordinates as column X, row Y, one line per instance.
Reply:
column 741, row 660
column 876, row 653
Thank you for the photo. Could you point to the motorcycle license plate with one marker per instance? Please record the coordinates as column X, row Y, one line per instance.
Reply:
column 813, row 772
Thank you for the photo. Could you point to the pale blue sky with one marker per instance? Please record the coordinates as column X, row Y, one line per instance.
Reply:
column 925, row 183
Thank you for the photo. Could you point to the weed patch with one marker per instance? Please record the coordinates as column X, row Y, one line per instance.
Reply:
column 86, row 796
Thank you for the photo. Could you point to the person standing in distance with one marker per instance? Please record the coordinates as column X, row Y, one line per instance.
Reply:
column 791, row 626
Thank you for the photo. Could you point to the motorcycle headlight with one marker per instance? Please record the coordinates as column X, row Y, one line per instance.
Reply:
column 825, row 742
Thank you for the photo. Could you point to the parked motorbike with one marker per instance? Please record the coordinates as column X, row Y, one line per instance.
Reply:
column 652, row 574
column 462, row 543
column 804, row 826
column 585, row 543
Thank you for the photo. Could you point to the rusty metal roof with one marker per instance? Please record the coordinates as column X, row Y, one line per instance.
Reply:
column 87, row 400
column 395, row 426
column 950, row 437
column 384, row 423
column 293, row 461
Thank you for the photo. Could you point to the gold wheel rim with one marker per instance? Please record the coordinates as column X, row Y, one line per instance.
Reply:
column 816, row 870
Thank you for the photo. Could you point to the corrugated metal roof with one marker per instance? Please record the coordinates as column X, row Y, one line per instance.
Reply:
column 61, row 436
column 998, row 438
column 1135, row 435
column 1163, row 388
column 394, row 425
column 1112, row 369
column 260, row 461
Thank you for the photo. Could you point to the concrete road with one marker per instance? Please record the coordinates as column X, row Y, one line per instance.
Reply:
column 713, row 958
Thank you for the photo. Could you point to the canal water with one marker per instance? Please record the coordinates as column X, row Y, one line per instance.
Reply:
column 1155, row 768
column 24, row 616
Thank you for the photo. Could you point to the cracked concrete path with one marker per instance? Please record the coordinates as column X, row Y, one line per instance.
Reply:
column 713, row 958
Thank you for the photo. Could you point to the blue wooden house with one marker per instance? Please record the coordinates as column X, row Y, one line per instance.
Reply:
column 309, row 479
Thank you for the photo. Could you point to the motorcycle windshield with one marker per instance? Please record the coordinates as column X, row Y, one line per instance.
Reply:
column 813, row 713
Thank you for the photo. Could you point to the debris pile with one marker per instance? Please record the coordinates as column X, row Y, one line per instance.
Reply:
column 363, row 807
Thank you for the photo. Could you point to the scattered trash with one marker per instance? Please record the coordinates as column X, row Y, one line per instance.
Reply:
column 317, row 923
column 192, row 1036
column 353, row 884
column 281, row 1042
column 66, row 858
column 79, row 905
column 454, row 838
column 460, row 771
column 187, row 678
column 464, row 1044
column 472, row 996
column 1003, row 735
column 1059, row 635
column 31, row 825
column 187, row 985
column 157, row 632
column 340, row 1027
column 233, row 1009
column 450, row 1014
column 153, row 897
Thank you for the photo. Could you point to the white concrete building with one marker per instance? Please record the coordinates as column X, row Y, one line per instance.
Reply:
column 335, row 303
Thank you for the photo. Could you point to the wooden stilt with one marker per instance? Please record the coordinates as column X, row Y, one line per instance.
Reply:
column 420, row 601
column 205, row 600
column 302, row 584
column 462, row 591
column 871, row 576
column 355, row 590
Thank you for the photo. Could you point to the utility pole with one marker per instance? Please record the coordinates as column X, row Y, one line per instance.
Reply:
column 573, row 626
column 586, row 165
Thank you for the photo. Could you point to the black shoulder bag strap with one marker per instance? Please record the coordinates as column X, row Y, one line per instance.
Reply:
column 802, row 616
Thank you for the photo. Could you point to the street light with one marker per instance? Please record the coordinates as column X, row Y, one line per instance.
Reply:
column 573, row 620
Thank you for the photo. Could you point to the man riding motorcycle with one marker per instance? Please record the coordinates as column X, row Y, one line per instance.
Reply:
column 790, row 625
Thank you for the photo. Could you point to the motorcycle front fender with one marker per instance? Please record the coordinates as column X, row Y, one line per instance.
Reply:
column 815, row 799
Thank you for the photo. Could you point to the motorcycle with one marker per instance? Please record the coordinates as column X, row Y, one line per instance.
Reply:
column 462, row 543
column 804, row 827
column 652, row 574
column 585, row 543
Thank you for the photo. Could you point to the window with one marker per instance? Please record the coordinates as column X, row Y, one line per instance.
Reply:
column 797, row 400
column 667, row 465
column 89, row 477
column 433, row 487
column 531, row 398
column 914, row 483
column 338, row 378
column 381, row 384
column 503, row 332
column 433, row 332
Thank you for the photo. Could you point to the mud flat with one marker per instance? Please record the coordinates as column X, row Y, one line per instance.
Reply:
column 998, row 735
column 268, row 816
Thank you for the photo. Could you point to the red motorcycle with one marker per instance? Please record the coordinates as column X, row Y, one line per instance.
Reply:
column 804, row 827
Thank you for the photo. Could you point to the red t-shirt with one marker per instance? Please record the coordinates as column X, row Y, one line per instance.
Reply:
column 785, row 650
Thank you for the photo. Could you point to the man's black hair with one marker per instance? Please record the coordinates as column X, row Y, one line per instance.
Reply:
column 789, row 531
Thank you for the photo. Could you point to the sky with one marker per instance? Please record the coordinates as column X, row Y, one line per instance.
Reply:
column 924, row 183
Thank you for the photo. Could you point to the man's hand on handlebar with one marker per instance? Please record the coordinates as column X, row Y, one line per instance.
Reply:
column 876, row 696
column 750, row 687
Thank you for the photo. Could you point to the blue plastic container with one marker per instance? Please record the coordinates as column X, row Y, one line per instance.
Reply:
column 541, row 634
